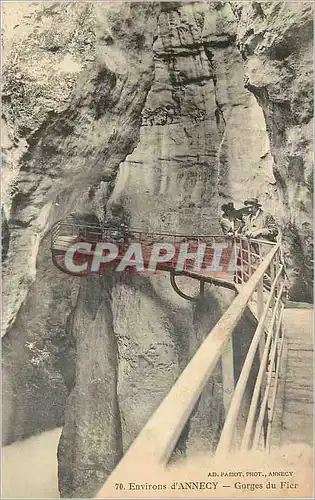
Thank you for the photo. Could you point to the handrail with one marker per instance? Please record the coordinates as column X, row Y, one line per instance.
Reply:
column 277, row 350
column 268, row 385
column 255, row 270
column 103, row 229
column 263, row 363
column 228, row 429
column 159, row 436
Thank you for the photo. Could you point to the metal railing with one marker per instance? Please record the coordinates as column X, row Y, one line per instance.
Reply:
column 68, row 231
column 261, row 281
column 68, row 227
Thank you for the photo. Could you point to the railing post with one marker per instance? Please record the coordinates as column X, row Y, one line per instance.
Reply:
column 262, row 343
column 237, row 261
column 272, row 278
column 266, row 408
column 276, row 271
column 260, row 309
column 249, row 258
column 278, row 375
column 202, row 288
column 242, row 261
column 230, row 422
column 227, row 360
column 260, row 249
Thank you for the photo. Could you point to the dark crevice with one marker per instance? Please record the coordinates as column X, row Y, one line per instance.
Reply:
column 5, row 235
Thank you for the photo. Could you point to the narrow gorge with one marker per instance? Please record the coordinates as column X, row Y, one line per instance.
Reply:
column 162, row 111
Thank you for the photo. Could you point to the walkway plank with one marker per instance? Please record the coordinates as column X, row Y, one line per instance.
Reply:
column 296, row 421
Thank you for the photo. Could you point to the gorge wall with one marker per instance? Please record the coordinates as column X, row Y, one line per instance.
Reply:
column 98, row 111
column 275, row 41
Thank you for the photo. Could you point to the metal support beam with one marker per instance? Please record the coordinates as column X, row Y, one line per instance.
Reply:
column 202, row 288
column 202, row 280
column 178, row 290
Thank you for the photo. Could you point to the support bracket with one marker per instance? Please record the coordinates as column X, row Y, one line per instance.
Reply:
column 202, row 280
column 178, row 290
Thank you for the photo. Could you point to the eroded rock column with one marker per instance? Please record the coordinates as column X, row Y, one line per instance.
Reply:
column 90, row 444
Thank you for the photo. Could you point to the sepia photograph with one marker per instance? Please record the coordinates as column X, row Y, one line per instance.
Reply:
column 157, row 249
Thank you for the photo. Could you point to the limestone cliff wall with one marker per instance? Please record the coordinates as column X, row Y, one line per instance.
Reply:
column 276, row 41
column 71, row 116
column 158, row 121
column 38, row 354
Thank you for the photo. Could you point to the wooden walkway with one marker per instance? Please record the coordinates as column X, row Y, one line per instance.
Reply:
column 294, row 409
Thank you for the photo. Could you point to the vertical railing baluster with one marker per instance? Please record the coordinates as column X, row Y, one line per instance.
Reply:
column 273, row 273
column 228, row 374
column 278, row 375
column 242, row 261
column 260, row 253
column 237, row 259
column 262, row 343
column 249, row 258
column 260, row 309
column 272, row 278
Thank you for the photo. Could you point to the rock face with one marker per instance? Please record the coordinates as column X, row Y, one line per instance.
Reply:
column 159, row 123
column 90, row 444
column 77, row 117
column 276, row 40
column 39, row 353
column 203, row 139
